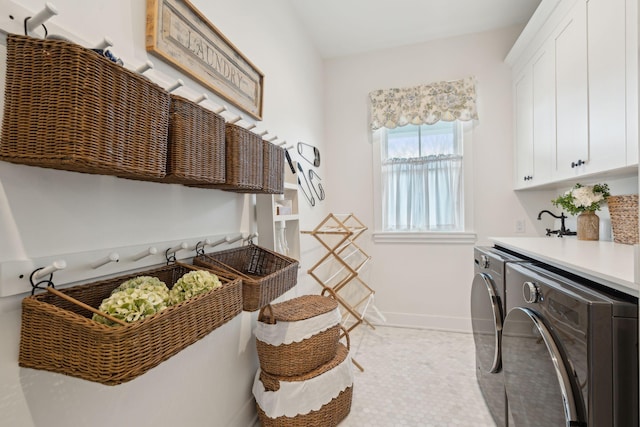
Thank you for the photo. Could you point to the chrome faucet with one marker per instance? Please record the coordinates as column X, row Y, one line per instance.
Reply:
column 563, row 231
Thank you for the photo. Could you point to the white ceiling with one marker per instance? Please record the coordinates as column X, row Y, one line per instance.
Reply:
column 347, row 27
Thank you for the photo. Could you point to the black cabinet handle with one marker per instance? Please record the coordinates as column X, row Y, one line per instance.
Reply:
column 528, row 178
column 576, row 164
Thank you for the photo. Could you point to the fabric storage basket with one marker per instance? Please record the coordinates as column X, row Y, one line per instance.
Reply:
column 66, row 107
column 265, row 274
column 297, row 336
column 196, row 150
column 321, row 398
column 624, row 218
column 59, row 336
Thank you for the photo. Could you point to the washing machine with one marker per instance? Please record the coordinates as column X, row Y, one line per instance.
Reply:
column 487, row 317
column 569, row 351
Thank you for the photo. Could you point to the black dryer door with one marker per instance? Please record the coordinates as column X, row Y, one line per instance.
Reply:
column 540, row 387
column 486, row 319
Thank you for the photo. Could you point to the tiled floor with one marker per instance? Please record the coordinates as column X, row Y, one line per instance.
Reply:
column 413, row 378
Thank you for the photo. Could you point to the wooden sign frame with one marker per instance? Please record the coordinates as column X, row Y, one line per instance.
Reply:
column 181, row 35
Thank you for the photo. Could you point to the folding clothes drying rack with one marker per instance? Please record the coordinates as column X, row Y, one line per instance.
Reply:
column 338, row 271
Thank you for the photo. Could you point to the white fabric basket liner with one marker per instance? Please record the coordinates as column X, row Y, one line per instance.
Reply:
column 290, row 332
column 301, row 397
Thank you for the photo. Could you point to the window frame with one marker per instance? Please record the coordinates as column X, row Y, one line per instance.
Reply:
column 467, row 236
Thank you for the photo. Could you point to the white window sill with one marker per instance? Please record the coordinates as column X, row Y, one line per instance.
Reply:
column 426, row 237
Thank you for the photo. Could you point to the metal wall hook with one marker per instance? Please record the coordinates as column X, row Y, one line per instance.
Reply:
column 171, row 252
column 33, row 22
column 39, row 273
column 199, row 248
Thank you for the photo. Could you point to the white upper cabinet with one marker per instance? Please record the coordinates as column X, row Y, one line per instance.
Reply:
column 576, row 64
column 606, row 38
column 572, row 114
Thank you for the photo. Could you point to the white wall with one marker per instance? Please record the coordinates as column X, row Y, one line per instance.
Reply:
column 427, row 285
column 45, row 212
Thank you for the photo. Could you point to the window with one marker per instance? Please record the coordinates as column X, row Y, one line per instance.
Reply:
column 421, row 137
column 422, row 178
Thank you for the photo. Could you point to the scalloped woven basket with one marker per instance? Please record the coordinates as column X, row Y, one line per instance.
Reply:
column 624, row 218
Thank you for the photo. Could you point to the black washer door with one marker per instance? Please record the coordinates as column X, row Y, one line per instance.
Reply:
column 486, row 319
column 540, row 389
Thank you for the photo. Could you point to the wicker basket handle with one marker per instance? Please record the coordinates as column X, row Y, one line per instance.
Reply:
column 268, row 382
column 85, row 306
column 261, row 315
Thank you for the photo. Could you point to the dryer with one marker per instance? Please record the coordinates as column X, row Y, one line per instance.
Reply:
column 569, row 351
column 487, row 316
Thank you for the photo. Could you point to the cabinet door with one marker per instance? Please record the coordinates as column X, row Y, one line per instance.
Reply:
column 607, row 84
column 544, row 114
column 572, row 135
column 523, row 93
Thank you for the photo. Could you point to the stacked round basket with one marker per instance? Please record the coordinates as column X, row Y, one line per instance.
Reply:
column 305, row 376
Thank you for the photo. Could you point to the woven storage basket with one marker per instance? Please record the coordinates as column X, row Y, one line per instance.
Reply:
column 297, row 358
column 265, row 274
column 624, row 218
column 196, row 151
column 272, row 170
column 329, row 415
column 67, row 107
column 243, row 160
column 59, row 336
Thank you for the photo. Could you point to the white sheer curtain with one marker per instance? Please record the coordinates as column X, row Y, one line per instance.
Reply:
column 423, row 194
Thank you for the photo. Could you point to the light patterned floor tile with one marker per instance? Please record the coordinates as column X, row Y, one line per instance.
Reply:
column 415, row 378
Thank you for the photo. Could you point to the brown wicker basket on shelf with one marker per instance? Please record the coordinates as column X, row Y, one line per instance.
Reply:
column 329, row 415
column 297, row 358
column 59, row 336
column 272, row 170
column 243, row 161
column 68, row 108
column 265, row 274
column 196, row 151
column 624, row 218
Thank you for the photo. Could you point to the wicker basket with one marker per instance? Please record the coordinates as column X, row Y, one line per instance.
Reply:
column 67, row 107
column 196, row 151
column 299, row 357
column 243, row 161
column 329, row 415
column 273, row 169
column 59, row 336
column 624, row 218
column 265, row 274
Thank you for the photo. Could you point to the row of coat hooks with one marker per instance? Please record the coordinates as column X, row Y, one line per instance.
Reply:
column 43, row 276
column 31, row 23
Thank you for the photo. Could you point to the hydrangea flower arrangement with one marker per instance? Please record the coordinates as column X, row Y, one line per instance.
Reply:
column 191, row 284
column 583, row 198
column 132, row 304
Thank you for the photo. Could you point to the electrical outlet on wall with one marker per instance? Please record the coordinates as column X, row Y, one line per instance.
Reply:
column 520, row 226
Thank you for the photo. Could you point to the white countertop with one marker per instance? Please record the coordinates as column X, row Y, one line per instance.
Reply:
column 611, row 264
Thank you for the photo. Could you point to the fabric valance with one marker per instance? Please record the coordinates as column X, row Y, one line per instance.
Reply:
column 425, row 104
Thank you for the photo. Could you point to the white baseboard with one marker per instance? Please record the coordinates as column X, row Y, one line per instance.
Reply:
column 424, row 321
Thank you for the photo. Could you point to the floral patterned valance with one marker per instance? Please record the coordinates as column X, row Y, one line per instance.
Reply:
column 426, row 104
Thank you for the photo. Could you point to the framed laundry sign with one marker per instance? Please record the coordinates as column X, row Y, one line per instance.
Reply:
column 181, row 35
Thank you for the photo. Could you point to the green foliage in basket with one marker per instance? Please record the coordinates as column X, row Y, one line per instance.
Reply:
column 583, row 198
column 191, row 284
column 132, row 304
